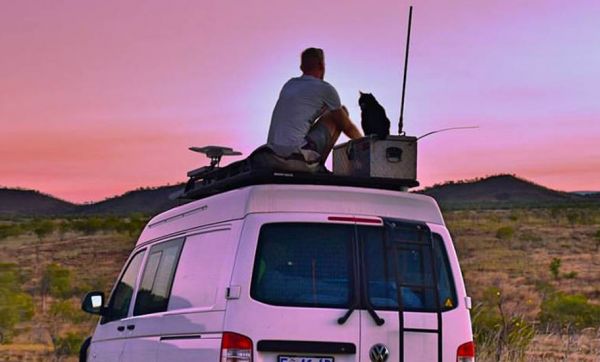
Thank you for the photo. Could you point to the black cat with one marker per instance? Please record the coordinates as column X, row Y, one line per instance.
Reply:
column 373, row 118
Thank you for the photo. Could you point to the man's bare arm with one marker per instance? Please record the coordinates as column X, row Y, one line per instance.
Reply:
column 344, row 123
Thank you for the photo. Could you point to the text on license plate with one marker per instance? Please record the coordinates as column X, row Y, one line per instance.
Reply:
column 304, row 359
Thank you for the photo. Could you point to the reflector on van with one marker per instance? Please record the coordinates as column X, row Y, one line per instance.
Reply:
column 235, row 348
column 358, row 220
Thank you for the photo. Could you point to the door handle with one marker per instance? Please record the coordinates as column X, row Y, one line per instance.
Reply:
column 131, row 327
column 120, row 328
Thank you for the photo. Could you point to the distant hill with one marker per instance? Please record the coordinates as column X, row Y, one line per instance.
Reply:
column 592, row 194
column 18, row 202
column 144, row 200
column 490, row 192
column 31, row 203
column 498, row 190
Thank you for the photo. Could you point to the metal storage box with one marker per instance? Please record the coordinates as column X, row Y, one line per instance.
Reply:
column 394, row 157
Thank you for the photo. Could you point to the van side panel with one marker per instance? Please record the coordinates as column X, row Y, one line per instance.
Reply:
column 190, row 349
column 204, row 269
column 192, row 325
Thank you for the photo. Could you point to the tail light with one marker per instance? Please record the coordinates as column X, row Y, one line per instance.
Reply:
column 466, row 352
column 236, row 348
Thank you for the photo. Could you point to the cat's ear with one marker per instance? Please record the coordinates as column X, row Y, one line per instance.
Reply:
column 360, row 93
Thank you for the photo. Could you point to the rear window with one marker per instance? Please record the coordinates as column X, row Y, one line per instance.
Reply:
column 304, row 265
column 315, row 264
column 401, row 257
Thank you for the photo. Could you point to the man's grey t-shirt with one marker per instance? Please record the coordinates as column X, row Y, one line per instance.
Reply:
column 302, row 100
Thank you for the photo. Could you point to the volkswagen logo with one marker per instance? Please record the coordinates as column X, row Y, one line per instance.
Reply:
column 379, row 353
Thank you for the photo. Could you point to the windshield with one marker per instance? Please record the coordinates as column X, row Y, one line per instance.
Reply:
column 315, row 265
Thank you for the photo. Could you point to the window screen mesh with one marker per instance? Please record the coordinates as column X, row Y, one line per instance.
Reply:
column 303, row 265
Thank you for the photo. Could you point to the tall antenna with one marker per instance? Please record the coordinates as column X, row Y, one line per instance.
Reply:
column 401, row 121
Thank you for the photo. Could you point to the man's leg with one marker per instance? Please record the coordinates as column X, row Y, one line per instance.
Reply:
column 336, row 122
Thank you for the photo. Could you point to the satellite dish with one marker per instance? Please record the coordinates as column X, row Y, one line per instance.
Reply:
column 215, row 153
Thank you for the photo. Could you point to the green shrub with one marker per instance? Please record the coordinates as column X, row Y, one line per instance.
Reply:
column 546, row 289
column 63, row 228
column 57, row 281
column 555, row 267
column 88, row 226
column 569, row 310
column 570, row 275
column 528, row 235
column 514, row 215
column 67, row 310
column 69, row 344
column 573, row 217
column 135, row 225
column 10, row 230
column 520, row 334
column 505, row 232
column 42, row 228
column 504, row 336
column 131, row 225
column 15, row 306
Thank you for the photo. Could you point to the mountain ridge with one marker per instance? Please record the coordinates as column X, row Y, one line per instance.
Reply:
column 19, row 201
column 501, row 189
column 491, row 191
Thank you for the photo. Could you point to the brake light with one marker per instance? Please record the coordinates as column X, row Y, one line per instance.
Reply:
column 235, row 348
column 466, row 352
column 355, row 219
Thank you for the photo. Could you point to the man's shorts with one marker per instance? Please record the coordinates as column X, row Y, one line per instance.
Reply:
column 317, row 139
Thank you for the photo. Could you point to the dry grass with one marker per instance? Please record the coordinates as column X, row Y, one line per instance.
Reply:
column 519, row 264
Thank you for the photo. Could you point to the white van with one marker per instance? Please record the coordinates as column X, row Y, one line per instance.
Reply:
column 289, row 273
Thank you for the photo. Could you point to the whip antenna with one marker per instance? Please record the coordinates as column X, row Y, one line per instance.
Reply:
column 401, row 121
column 446, row 129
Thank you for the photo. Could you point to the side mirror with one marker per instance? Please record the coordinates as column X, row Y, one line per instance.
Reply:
column 93, row 303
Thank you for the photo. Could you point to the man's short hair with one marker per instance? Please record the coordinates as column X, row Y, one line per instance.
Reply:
column 311, row 59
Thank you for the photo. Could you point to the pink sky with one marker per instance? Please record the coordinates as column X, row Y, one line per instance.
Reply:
column 100, row 97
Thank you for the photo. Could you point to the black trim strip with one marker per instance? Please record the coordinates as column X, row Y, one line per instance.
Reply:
column 421, row 330
column 242, row 173
column 306, row 347
column 187, row 336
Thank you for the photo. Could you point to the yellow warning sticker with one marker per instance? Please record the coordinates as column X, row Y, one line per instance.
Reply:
column 448, row 303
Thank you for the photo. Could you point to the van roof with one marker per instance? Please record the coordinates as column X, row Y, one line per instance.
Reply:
column 236, row 204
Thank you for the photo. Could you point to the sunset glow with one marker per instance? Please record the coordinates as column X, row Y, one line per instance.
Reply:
column 101, row 97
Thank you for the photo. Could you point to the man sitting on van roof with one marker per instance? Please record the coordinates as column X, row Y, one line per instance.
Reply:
column 309, row 117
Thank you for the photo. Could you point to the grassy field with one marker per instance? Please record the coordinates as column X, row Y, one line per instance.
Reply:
column 533, row 274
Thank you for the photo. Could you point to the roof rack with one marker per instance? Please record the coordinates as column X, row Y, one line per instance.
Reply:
column 211, row 180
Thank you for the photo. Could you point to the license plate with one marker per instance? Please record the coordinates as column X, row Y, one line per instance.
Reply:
column 304, row 359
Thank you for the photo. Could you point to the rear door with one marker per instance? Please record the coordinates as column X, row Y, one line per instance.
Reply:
column 403, row 261
column 295, row 274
